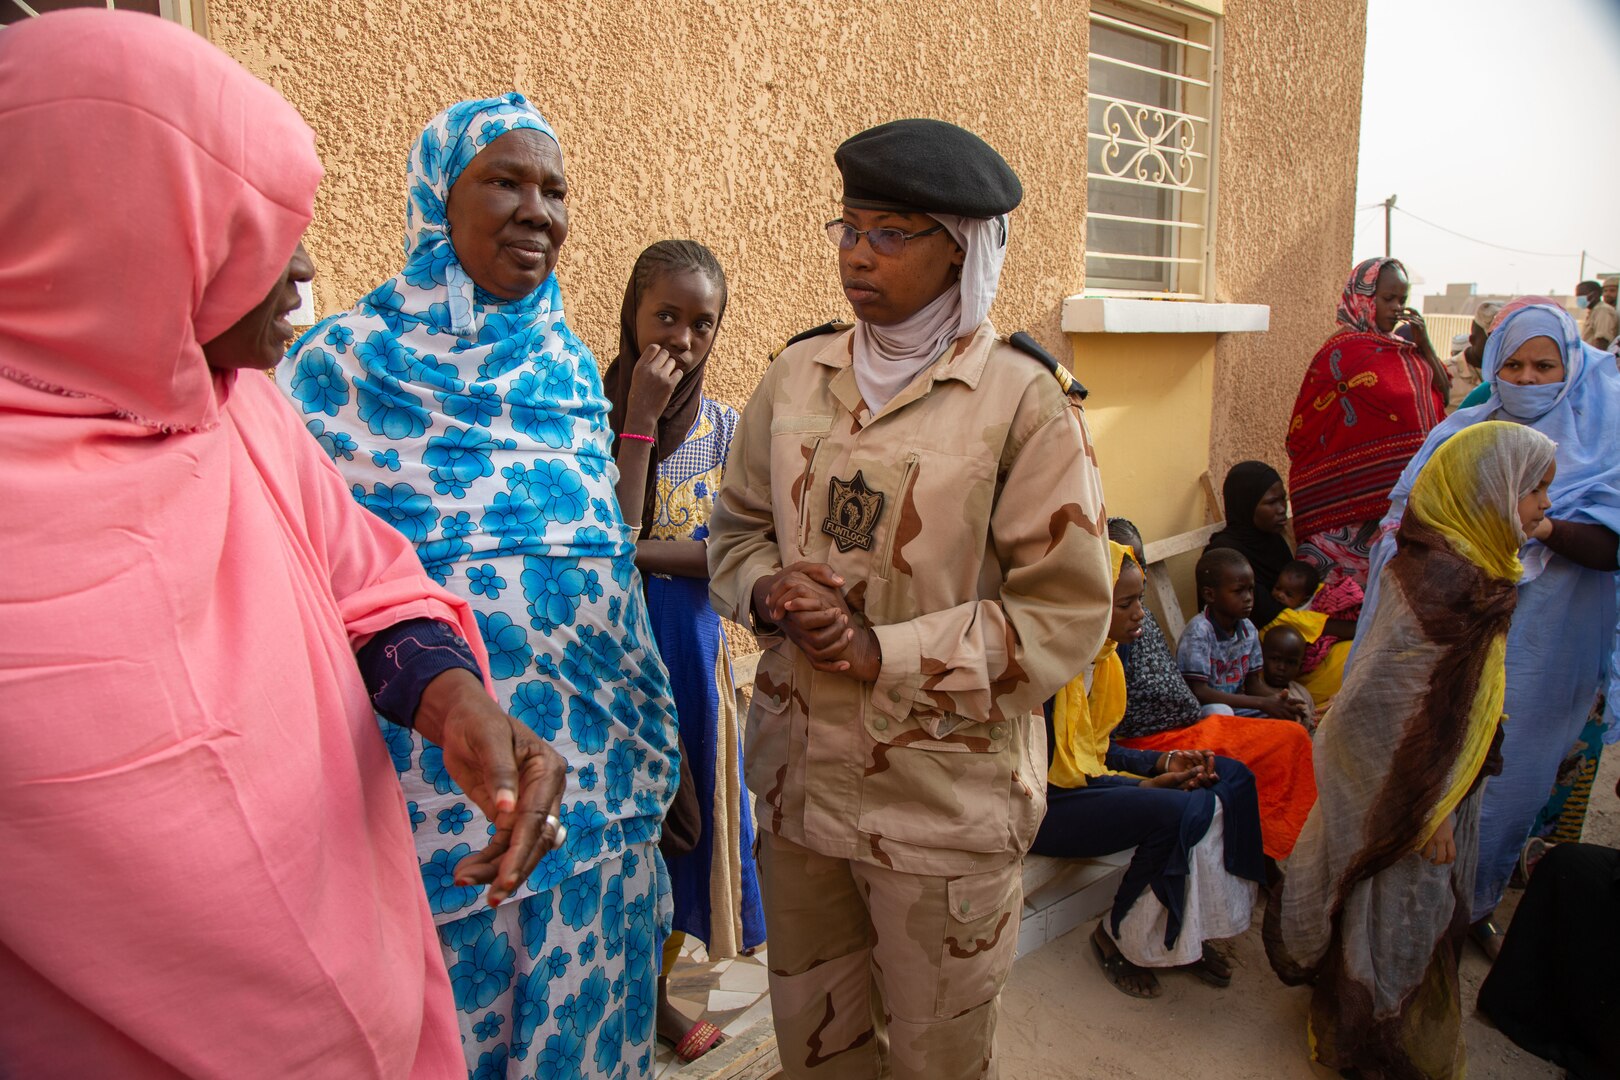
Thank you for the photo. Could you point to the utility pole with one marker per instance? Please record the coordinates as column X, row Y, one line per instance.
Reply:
column 1389, row 205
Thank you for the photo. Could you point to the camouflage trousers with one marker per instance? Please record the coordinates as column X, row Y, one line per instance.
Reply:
column 876, row 973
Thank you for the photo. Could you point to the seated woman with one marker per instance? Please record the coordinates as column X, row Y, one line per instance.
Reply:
column 1375, row 906
column 1256, row 503
column 1191, row 816
column 1161, row 713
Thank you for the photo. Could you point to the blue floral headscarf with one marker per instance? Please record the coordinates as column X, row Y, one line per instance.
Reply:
column 442, row 152
column 479, row 423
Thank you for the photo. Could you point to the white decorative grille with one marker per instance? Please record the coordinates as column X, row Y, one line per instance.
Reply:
column 1150, row 151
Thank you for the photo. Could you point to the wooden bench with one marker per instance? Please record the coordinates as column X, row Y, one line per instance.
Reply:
column 1062, row 894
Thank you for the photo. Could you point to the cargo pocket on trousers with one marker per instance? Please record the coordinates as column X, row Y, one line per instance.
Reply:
column 981, row 936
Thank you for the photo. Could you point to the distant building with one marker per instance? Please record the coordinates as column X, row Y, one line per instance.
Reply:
column 1461, row 298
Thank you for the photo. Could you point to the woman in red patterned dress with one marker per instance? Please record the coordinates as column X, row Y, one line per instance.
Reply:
column 1369, row 397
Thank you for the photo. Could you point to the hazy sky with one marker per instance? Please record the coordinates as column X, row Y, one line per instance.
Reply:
column 1499, row 119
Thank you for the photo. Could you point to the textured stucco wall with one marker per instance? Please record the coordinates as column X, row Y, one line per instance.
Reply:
column 713, row 119
column 1290, row 127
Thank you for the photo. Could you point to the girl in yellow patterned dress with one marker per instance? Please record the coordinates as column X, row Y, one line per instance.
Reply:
column 671, row 314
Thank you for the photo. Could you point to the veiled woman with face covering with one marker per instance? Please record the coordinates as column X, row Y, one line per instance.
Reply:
column 465, row 412
column 1564, row 634
column 208, row 868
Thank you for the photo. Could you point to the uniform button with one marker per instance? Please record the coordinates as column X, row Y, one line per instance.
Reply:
column 894, row 695
column 998, row 731
column 966, row 907
column 881, row 723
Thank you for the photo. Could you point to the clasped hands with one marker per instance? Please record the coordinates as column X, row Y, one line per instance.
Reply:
column 803, row 600
column 1184, row 769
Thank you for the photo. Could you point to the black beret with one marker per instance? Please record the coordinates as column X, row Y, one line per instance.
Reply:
column 926, row 166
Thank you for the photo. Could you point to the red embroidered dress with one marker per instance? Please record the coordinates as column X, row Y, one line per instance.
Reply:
column 1364, row 408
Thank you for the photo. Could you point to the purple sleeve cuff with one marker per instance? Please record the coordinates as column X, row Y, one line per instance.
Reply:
column 398, row 663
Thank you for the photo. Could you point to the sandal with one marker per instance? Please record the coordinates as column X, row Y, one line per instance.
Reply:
column 1212, row 968
column 702, row 1037
column 1488, row 937
column 1116, row 967
column 1533, row 851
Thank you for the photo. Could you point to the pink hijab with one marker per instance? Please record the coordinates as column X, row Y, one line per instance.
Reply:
column 204, row 854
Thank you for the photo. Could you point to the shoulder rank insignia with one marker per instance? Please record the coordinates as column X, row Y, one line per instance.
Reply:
column 853, row 510
column 815, row 331
column 1026, row 344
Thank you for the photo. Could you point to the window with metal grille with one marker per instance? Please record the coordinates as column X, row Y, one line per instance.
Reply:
column 189, row 13
column 1150, row 151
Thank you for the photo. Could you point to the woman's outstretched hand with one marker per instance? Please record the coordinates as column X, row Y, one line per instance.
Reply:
column 513, row 775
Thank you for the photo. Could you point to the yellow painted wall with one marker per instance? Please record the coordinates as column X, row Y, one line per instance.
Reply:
column 1149, row 413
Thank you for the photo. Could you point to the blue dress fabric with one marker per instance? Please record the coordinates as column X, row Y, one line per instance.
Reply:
column 720, row 870
column 1562, row 645
column 478, row 428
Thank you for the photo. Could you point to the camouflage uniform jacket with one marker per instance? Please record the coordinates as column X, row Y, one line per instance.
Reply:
column 966, row 519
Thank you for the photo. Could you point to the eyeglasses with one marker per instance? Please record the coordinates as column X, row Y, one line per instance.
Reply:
column 845, row 236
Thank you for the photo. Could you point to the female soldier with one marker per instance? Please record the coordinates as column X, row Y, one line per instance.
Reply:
column 912, row 520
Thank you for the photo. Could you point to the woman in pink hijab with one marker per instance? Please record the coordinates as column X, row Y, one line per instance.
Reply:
column 205, row 857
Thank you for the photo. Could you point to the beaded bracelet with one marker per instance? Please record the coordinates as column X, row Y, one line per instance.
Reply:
column 639, row 438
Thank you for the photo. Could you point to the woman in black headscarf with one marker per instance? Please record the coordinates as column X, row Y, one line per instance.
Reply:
column 1256, row 505
column 1256, row 510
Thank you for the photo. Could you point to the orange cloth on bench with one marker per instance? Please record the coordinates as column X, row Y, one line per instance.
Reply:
column 1278, row 752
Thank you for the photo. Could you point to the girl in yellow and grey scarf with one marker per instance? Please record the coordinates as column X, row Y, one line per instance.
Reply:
column 1375, row 906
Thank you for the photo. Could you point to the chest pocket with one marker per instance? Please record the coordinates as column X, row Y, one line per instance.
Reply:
column 919, row 788
column 796, row 446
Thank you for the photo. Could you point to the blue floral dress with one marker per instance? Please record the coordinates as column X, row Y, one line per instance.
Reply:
column 478, row 428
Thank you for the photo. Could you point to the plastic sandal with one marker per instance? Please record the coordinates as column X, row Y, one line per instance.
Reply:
column 1212, row 968
column 1116, row 967
column 702, row 1037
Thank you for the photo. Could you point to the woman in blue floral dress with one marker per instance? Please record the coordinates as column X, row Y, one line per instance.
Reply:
column 466, row 413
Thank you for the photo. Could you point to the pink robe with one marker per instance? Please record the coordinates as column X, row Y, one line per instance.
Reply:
column 205, row 861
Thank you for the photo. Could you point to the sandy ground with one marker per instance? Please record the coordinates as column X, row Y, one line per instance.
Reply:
column 1060, row 1019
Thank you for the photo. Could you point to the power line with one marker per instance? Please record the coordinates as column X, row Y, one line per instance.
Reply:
column 1499, row 247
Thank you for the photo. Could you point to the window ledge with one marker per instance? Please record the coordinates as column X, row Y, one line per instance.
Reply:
column 1117, row 315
